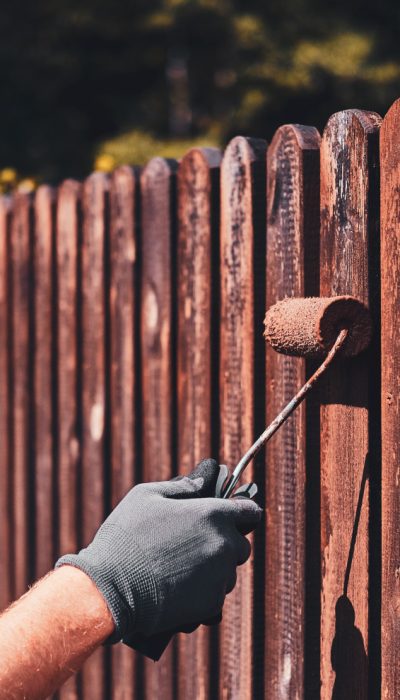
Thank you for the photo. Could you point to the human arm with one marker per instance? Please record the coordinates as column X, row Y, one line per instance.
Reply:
column 48, row 633
column 167, row 555
column 163, row 561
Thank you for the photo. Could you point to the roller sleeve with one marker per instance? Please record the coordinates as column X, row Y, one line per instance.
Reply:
column 308, row 327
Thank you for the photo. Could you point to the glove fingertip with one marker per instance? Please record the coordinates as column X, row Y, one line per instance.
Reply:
column 247, row 514
column 208, row 471
column 246, row 491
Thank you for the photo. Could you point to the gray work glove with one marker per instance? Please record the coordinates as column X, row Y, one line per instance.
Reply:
column 167, row 555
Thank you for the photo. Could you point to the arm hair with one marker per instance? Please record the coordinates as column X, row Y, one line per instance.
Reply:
column 47, row 634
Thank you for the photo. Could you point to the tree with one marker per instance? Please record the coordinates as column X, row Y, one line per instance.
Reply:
column 76, row 75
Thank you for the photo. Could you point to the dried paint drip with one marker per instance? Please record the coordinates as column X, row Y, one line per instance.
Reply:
column 309, row 327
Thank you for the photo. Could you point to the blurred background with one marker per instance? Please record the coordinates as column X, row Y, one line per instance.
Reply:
column 93, row 83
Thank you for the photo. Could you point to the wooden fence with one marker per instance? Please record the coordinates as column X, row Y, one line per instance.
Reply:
column 131, row 311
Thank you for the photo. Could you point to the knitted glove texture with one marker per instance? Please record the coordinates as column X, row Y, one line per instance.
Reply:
column 167, row 554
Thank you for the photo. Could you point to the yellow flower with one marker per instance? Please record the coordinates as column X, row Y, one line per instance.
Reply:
column 8, row 175
column 27, row 185
column 104, row 162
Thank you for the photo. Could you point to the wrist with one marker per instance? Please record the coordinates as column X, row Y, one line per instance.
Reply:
column 48, row 633
column 84, row 599
column 130, row 590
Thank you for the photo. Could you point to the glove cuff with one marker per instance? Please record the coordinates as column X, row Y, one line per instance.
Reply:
column 131, row 595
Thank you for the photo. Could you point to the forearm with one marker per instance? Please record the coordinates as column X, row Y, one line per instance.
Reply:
column 47, row 634
column 164, row 560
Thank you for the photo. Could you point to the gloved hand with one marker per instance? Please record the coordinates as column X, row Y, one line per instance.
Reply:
column 166, row 556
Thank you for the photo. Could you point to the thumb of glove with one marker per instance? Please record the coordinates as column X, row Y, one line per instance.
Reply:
column 207, row 470
column 200, row 483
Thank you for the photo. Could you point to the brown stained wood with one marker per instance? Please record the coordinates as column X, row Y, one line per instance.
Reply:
column 93, row 387
column 43, row 418
column 390, row 343
column 67, row 435
column 348, row 228
column 22, row 386
column 6, row 542
column 198, row 185
column 122, row 375
column 292, row 249
column 67, row 238
column 242, row 188
column 156, row 335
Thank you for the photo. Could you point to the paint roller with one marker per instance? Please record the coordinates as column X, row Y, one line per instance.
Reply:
column 315, row 328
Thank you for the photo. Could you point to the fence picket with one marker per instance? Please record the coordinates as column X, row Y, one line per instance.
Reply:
column 92, row 331
column 68, row 438
column 123, row 370
column 198, row 186
column 242, row 245
column 158, row 358
column 349, row 220
column 292, row 265
column 390, row 259
column 6, row 539
column 43, row 380
column 21, row 271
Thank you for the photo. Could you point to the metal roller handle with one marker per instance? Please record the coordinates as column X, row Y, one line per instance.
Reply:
column 283, row 415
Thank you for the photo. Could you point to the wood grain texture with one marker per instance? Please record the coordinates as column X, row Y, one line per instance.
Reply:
column 68, row 438
column 131, row 347
column 157, row 184
column 43, row 380
column 198, row 189
column 22, row 386
column 6, row 541
column 390, row 295
column 348, row 227
column 122, row 375
column 242, row 223
column 292, row 259
column 94, row 232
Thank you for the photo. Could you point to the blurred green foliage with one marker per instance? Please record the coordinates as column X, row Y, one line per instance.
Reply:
column 124, row 80
column 138, row 147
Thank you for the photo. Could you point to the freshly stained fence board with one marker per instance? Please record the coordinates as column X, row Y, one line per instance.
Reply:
column 68, row 402
column 6, row 541
column 242, row 246
column 157, row 358
column 22, row 468
column 292, row 264
column 92, row 331
column 390, row 307
column 123, row 373
column 43, row 380
column 349, row 225
column 198, row 186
